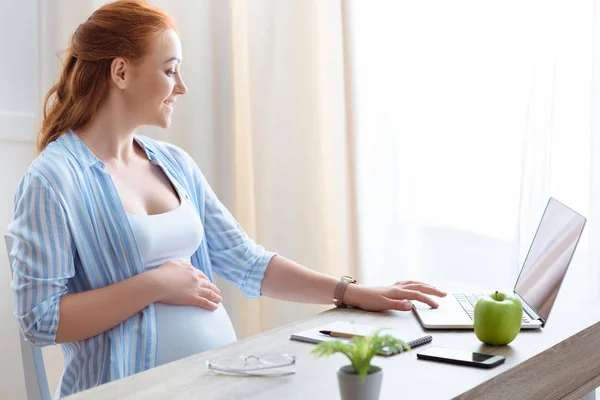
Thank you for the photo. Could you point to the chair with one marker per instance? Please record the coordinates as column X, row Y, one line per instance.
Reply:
column 36, row 382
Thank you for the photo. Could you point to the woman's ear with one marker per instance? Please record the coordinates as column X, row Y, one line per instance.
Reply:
column 119, row 72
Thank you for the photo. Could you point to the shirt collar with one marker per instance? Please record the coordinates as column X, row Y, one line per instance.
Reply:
column 73, row 143
column 79, row 150
column 141, row 140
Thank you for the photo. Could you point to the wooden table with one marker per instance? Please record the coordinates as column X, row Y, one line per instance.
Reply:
column 559, row 361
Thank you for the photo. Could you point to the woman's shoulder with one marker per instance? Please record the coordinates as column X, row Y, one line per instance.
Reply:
column 54, row 166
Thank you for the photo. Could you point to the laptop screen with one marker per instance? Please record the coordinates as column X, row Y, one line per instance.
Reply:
column 549, row 256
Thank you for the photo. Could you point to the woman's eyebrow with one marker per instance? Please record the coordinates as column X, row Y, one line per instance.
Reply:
column 173, row 58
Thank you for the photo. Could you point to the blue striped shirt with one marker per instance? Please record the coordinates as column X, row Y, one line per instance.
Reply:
column 71, row 234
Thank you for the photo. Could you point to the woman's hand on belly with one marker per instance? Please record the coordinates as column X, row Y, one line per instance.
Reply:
column 182, row 284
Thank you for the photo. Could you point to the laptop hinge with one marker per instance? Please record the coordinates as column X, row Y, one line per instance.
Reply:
column 530, row 311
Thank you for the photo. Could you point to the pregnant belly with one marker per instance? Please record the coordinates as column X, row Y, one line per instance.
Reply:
column 187, row 330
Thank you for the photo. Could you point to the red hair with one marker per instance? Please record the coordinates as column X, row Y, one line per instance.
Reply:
column 125, row 28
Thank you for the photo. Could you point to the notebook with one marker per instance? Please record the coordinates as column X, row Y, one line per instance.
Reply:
column 313, row 336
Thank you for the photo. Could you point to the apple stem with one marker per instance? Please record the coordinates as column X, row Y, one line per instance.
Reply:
column 496, row 295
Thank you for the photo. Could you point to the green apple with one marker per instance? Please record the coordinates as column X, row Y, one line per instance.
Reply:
column 497, row 318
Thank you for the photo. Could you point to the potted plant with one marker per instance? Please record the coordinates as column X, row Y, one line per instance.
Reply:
column 360, row 380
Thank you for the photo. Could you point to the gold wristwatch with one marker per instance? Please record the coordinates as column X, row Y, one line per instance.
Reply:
column 338, row 295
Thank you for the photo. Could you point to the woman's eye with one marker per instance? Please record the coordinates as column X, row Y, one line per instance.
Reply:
column 171, row 72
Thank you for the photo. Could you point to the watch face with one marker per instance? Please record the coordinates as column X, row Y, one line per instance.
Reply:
column 348, row 278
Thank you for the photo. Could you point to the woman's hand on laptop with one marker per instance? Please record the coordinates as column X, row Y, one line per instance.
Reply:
column 393, row 297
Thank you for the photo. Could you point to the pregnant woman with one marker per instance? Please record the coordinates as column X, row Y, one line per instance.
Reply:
column 116, row 236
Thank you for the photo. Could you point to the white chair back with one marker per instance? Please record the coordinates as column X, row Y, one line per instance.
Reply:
column 36, row 382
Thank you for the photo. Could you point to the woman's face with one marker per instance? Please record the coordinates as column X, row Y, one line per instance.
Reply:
column 156, row 82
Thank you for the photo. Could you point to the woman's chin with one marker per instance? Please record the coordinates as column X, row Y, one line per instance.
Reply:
column 162, row 120
column 164, row 123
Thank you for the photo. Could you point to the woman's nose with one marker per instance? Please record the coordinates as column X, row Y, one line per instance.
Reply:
column 180, row 87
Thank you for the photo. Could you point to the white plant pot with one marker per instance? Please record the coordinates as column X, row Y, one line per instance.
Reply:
column 352, row 388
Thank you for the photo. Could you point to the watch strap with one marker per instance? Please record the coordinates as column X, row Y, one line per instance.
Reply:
column 340, row 289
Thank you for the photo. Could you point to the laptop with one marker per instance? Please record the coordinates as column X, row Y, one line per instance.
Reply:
column 538, row 282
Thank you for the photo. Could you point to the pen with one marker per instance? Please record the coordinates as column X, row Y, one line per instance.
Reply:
column 340, row 334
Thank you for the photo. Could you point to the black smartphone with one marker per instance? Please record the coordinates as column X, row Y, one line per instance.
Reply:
column 461, row 357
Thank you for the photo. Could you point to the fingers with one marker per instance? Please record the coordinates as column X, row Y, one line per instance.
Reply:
column 203, row 302
column 202, row 274
column 403, row 294
column 210, row 295
column 422, row 287
column 401, row 305
column 204, row 282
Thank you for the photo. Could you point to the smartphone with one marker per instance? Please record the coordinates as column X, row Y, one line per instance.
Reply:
column 461, row 357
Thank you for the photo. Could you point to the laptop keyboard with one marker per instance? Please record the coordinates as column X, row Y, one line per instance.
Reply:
column 468, row 300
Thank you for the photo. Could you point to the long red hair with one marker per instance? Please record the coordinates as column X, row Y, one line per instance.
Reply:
column 124, row 28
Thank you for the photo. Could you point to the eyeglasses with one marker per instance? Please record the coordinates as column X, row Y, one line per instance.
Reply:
column 267, row 365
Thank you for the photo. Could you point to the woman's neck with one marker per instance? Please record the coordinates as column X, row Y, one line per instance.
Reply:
column 109, row 137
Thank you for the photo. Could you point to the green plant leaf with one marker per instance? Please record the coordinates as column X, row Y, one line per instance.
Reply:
column 360, row 350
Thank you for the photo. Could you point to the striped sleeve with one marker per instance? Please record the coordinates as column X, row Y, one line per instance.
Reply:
column 234, row 256
column 41, row 258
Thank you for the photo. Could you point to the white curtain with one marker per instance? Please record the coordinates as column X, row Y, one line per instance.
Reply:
column 468, row 116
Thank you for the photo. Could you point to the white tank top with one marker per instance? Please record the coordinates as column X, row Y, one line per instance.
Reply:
column 182, row 330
